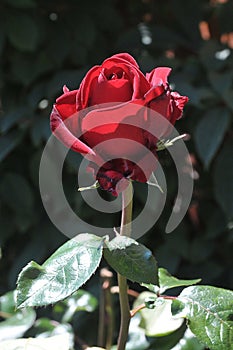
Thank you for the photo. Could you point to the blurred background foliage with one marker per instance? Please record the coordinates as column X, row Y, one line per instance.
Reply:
column 46, row 44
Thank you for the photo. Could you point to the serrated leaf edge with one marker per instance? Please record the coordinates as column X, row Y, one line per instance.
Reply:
column 21, row 305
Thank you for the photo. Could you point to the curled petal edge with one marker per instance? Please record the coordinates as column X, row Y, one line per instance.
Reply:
column 122, row 57
column 159, row 76
column 63, row 134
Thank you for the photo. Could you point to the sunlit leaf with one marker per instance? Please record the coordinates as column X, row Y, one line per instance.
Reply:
column 58, row 342
column 131, row 259
column 167, row 281
column 158, row 321
column 16, row 325
column 62, row 274
column 137, row 338
column 7, row 303
column 209, row 311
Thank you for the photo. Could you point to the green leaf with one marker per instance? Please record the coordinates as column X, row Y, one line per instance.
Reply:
column 167, row 281
column 131, row 259
column 22, row 32
column 16, row 325
column 79, row 301
column 45, row 328
column 139, row 341
column 62, row 274
column 209, row 311
column 210, row 132
column 58, row 342
column 7, row 303
column 44, row 325
column 223, row 184
column 158, row 321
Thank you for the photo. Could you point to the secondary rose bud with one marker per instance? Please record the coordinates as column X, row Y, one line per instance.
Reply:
column 116, row 101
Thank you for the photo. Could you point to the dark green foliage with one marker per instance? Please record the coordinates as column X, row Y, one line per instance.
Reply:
column 45, row 44
column 132, row 260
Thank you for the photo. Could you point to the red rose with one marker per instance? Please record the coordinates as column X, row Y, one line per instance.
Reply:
column 110, row 105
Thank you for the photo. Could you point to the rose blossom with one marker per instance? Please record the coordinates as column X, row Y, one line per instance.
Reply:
column 109, row 105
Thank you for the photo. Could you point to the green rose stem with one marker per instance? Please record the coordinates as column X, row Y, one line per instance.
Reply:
column 106, row 310
column 125, row 230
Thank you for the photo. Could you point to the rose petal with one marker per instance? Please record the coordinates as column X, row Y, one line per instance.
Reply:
column 178, row 104
column 153, row 93
column 161, row 105
column 66, row 104
column 117, row 124
column 122, row 57
column 140, row 85
column 111, row 181
column 145, row 167
column 114, row 113
column 117, row 90
column 86, row 87
column 65, row 89
column 60, row 130
column 158, row 76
